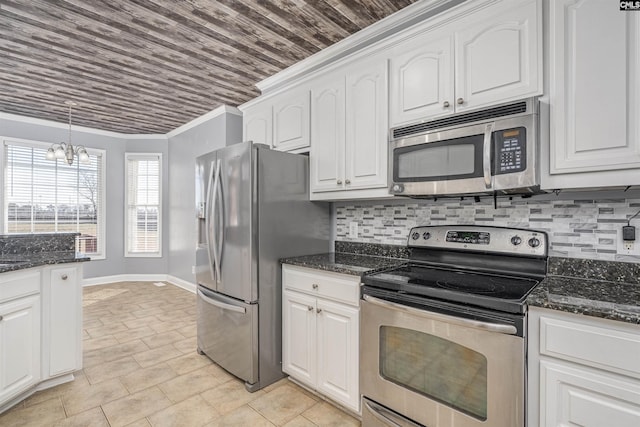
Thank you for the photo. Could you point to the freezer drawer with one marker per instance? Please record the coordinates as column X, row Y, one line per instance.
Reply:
column 228, row 333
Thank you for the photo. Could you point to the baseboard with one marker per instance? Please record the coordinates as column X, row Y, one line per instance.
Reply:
column 175, row 281
column 102, row 280
column 181, row 283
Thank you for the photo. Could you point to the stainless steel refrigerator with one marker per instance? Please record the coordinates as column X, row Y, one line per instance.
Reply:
column 253, row 208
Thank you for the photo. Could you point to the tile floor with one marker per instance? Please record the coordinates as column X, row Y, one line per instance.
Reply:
column 141, row 368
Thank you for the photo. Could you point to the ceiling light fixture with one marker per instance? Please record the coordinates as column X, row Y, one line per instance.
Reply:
column 65, row 150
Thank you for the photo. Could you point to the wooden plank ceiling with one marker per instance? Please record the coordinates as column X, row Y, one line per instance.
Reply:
column 149, row 66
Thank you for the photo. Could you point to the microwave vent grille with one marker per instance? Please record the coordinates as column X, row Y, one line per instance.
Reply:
column 485, row 114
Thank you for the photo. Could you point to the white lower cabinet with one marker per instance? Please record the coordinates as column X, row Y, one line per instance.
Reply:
column 321, row 332
column 40, row 329
column 583, row 371
column 64, row 308
column 19, row 345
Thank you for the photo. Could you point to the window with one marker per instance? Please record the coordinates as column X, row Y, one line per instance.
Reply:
column 44, row 196
column 144, row 214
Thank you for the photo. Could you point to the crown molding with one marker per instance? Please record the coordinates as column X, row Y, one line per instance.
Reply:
column 223, row 109
column 393, row 23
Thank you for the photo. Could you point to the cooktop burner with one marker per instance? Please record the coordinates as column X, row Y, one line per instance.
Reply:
column 487, row 267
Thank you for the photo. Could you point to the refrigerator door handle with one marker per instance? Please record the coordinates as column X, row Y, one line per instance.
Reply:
column 220, row 220
column 207, row 222
column 216, row 244
column 221, row 304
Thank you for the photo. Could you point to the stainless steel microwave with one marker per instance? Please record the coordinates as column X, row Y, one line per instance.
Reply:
column 490, row 150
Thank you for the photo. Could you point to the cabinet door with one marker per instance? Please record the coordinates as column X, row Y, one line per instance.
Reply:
column 299, row 337
column 594, row 89
column 366, row 126
column 338, row 344
column 64, row 324
column 19, row 345
column 256, row 124
column 327, row 135
column 420, row 80
column 573, row 396
column 498, row 59
column 291, row 121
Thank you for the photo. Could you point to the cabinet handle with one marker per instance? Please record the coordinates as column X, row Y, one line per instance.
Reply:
column 445, row 104
column 348, row 181
column 318, row 310
column 64, row 277
column 339, row 182
column 309, row 308
column 315, row 286
column 460, row 101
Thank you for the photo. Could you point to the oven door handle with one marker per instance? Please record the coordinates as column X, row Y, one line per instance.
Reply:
column 387, row 417
column 460, row 321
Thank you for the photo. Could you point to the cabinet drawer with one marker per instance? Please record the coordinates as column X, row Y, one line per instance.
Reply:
column 340, row 287
column 593, row 343
column 19, row 284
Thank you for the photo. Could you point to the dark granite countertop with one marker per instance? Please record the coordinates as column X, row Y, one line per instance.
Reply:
column 22, row 261
column 610, row 290
column 345, row 263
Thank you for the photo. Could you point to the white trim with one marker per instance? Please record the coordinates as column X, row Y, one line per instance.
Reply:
column 142, row 156
column 173, row 280
column 59, row 125
column 199, row 120
column 393, row 23
column 181, row 283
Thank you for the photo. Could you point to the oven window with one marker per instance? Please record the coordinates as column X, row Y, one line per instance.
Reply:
column 445, row 160
column 439, row 369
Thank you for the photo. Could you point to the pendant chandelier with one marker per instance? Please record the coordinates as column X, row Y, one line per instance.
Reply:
column 65, row 150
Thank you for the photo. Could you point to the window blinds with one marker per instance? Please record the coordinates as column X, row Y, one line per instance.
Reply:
column 50, row 196
column 143, row 205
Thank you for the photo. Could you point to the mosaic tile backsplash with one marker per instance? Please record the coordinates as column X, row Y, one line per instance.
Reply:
column 578, row 228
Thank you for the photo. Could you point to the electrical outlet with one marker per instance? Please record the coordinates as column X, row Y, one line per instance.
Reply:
column 628, row 245
column 353, row 230
column 193, row 269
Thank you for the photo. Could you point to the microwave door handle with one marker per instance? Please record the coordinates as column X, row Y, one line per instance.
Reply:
column 460, row 321
column 208, row 222
column 486, row 154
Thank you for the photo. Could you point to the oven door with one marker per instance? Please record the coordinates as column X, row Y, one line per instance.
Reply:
column 439, row 370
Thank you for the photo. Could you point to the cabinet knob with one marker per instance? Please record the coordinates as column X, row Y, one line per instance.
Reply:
column 309, row 308
column 1, row 318
column 339, row 182
column 64, row 277
column 347, row 181
column 445, row 104
column 460, row 101
column 314, row 286
column 318, row 310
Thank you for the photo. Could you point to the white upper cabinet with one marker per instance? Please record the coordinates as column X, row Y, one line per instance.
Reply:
column 291, row 121
column 498, row 56
column 366, row 127
column 327, row 135
column 257, row 124
column 421, row 80
column 491, row 56
column 594, row 95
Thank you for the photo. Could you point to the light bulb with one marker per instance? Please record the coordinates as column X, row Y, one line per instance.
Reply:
column 59, row 152
column 83, row 156
column 50, row 154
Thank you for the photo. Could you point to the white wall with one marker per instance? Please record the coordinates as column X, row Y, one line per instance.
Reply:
column 215, row 133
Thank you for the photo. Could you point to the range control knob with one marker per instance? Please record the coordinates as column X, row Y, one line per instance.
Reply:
column 426, row 235
column 533, row 242
column 516, row 240
column 415, row 236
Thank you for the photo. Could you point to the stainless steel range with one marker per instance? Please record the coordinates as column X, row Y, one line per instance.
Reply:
column 443, row 337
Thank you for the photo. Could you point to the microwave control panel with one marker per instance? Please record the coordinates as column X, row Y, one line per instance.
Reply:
column 510, row 148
